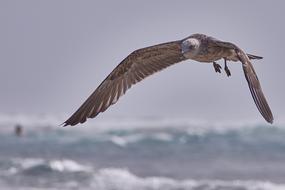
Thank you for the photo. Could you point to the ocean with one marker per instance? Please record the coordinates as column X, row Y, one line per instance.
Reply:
column 140, row 154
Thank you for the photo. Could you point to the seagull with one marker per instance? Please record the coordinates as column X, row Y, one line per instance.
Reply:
column 144, row 62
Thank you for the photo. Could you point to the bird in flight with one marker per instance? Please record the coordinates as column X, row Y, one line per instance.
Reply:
column 147, row 61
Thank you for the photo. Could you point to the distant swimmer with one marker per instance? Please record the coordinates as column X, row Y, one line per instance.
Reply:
column 18, row 130
column 147, row 61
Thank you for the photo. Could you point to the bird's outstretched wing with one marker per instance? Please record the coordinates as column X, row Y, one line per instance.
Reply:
column 134, row 68
column 255, row 87
column 252, row 79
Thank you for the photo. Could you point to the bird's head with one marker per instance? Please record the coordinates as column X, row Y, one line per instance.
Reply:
column 190, row 47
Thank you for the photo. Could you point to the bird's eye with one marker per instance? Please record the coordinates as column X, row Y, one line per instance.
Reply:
column 192, row 46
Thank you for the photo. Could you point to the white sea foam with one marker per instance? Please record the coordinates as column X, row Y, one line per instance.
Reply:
column 136, row 137
column 124, row 140
column 64, row 165
column 122, row 179
column 68, row 166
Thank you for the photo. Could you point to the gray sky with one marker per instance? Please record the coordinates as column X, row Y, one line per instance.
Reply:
column 55, row 53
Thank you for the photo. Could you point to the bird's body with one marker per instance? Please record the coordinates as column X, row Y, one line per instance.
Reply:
column 209, row 49
column 146, row 61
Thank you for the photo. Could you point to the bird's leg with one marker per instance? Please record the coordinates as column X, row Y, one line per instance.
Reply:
column 217, row 67
column 227, row 70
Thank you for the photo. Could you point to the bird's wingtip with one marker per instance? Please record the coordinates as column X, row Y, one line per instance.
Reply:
column 270, row 121
column 64, row 124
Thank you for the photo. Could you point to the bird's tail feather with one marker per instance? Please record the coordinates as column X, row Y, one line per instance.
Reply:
column 250, row 56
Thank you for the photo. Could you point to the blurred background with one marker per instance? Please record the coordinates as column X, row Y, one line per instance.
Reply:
column 184, row 128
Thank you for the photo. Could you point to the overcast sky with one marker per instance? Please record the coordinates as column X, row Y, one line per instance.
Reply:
column 55, row 53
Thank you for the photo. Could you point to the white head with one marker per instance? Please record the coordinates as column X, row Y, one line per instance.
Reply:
column 190, row 47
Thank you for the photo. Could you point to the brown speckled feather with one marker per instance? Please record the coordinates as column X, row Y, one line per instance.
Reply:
column 134, row 68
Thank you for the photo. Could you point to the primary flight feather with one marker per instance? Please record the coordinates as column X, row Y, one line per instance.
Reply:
column 147, row 61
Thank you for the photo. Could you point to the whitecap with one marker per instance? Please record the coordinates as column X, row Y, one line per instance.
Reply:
column 122, row 179
column 40, row 165
column 68, row 166
column 126, row 139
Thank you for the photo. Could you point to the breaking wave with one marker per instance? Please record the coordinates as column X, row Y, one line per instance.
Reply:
column 36, row 171
column 111, row 179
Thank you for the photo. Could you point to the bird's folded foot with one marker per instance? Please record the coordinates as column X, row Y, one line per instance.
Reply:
column 227, row 70
column 217, row 67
